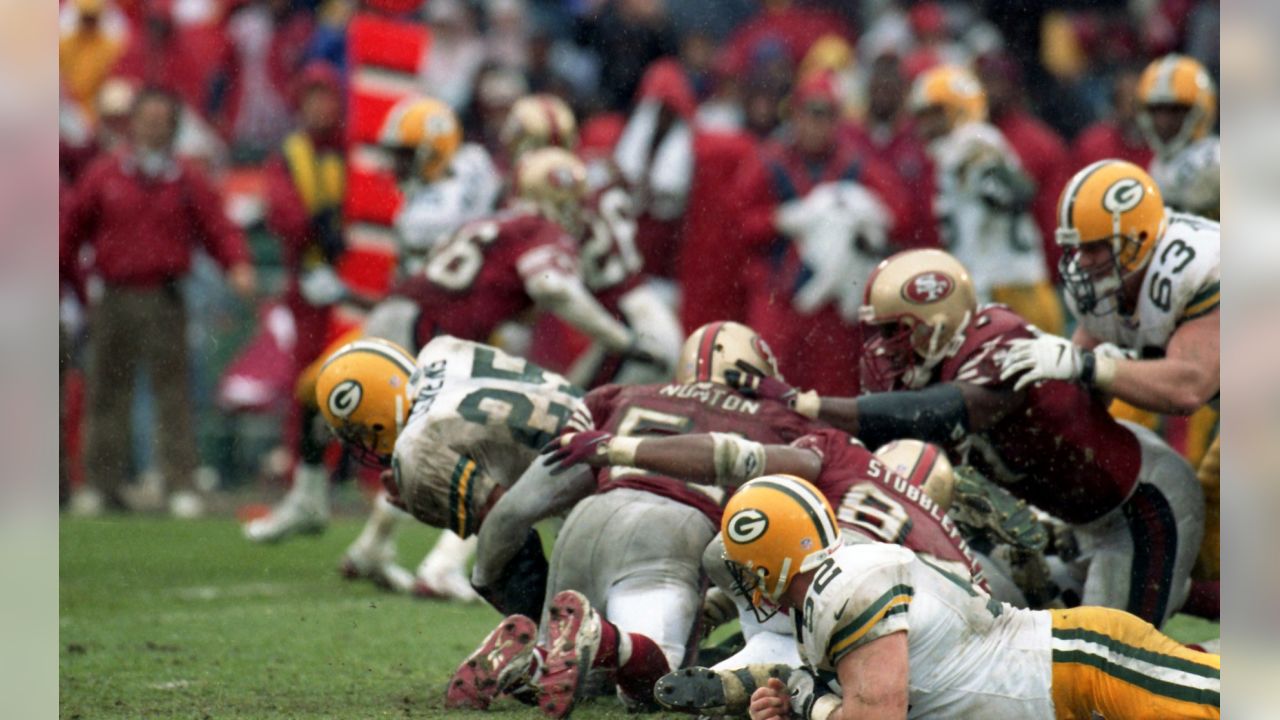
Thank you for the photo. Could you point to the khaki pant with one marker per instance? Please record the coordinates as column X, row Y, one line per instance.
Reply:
column 131, row 328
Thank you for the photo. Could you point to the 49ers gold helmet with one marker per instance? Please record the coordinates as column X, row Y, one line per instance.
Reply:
column 554, row 181
column 774, row 528
column 1180, row 82
column 924, row 465
column 538, row 121
column 719, row 346
column 917, row 305
column 362, row 391
column 424, row 134
column 1112, row 202
column 953, row 89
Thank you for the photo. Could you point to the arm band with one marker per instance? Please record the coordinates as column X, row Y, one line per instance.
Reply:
column 824, row 707
column 622, row 451
column 737, row 459
column 935, row 414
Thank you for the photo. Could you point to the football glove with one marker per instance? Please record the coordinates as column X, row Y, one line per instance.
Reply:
column 576, row 447
column 1049, row 357
column 811, row 698
column 755, row 385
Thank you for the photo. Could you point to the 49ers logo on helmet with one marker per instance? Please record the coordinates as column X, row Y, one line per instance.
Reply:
column 747, row 526
column 928, row 287
column 345, row 398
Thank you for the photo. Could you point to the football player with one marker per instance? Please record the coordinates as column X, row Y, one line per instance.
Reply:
column 933, row 371
column 1178, row 105
column 455, row 428
column 984, row 196
column 444, row 181
column 873, row 503
column 887, row 633
column 611, row 264
column 1144, row 284
column 626, row 564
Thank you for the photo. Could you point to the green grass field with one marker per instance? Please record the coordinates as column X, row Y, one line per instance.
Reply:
column 166, row 619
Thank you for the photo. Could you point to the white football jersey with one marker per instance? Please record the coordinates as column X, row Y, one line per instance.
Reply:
column 431, row 210
column 970, row 656
column 1191, row 180
column 1182, row 283
column 997, row 246
column 478, row 417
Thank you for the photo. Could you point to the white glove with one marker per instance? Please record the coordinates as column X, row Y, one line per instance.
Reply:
column 321, row 286
column 1049, row 357
column 811, row 699
column 841, row 230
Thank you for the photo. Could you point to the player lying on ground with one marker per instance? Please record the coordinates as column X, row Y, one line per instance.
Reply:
column 932, row 371
column 885, row 633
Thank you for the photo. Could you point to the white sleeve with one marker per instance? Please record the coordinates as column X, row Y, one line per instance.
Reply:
column 565, row 296
column 862, row 596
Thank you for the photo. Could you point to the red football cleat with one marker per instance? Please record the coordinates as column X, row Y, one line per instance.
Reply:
column 481, row 677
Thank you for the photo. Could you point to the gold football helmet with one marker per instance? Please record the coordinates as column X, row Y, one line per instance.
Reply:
column 917, row 305
column 1181, row 84
column 924, row 465
column 1112, row 204
column 719, row 346
column 424, row 134
column 554, row 181
column 538, row 121
column 951, row 90
column 362, row 391
column 774, row 528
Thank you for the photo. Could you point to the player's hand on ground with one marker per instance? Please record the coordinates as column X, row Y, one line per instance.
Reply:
column 591, row 447
column 770, row 701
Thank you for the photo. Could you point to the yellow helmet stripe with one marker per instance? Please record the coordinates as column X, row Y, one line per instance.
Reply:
column 1073, row 189
column 812, row 504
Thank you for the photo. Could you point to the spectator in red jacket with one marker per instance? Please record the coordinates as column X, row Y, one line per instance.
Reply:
column 1041, row 150
column 1116, row 136
column 142, row 211
column 818, row 345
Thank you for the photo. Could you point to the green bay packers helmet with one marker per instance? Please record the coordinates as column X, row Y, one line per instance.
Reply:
column 916, row 305
column 362, row 391
column 1183, row 85
column 774, row 528
column 423, row 134
column 719, row 346
column 1112, row 203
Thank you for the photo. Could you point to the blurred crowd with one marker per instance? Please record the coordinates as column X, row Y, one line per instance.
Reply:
column 180, row 120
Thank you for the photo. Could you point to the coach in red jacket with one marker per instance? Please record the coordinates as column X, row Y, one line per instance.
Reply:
column 143, row 211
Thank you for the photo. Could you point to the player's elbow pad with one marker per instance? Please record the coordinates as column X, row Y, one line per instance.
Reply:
column 935, row 414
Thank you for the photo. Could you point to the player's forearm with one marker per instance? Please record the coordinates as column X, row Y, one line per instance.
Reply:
column 537, row 495
column 688, row 457
column 568, row 299
column 1169, row 386
column 840, row 413
column 931, row 415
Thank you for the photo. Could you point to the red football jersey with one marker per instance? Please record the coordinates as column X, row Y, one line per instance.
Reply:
column 1061, row 450
column 883, row 505
column 475, row 280
column 675, row 409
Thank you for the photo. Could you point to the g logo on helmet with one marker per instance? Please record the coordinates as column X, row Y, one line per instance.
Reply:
column 747, row 526
column 344, row 398
column 927, row 287
column 1123, row 195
